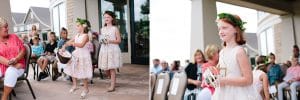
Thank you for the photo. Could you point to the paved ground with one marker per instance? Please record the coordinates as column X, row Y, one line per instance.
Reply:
column 132, row 84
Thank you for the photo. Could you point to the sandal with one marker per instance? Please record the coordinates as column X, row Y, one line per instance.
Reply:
column 83, row 94
column 73, row 89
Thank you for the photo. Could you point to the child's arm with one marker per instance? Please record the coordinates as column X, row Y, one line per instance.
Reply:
column 84, row 41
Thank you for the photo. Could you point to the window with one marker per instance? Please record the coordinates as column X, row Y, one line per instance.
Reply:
column 267, row 42
column 119, row 7
column 141, row 28
column 59, row 17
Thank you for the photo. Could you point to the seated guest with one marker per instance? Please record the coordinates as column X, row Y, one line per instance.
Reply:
column 156, row 69
column 12, row 62
column 164, row 65
column 274, row 71
column 194, row 74
column 260, row 79
column 212, row 53
column 37, row 50
column 174, row 68
column 61, row 42
column 49, row 56
column 291, row 79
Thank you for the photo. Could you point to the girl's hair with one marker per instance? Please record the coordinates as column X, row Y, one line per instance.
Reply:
column 53, row 33
column 237, row 23
column 211, row 50
column 113, row 15
column 203, row 57
column 64, row 29
column 2, row 22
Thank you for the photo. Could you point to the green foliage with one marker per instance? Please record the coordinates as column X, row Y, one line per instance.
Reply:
column 231, row 18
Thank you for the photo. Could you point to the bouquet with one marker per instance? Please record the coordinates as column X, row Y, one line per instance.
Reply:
column 104, row 39
column 212, row 75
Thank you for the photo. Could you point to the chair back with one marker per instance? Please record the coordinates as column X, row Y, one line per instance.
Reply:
column 27, row 58
column 177, row 86
column 152, row 84
column 161, row 86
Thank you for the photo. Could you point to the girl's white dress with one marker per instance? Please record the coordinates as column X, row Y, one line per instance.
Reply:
column 228, row 60
column 80, row 66
column 110, row 54
column 257, row 83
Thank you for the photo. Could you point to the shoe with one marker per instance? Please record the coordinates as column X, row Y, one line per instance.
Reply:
column 73, row 89
column 56, row 76
column 110, row 89
column 41, row 76
column 83, row 94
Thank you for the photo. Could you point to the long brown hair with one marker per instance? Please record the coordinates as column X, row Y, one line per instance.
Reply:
column 239, row 35
column 113, row 15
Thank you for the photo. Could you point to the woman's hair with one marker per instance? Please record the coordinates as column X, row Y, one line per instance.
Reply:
column 176, row 65
column 36, row 38
column 113, row 15
column 2, row 22
column 203, row 57
column 262, row 67
column 237, row 23
column 260, row 60
column 211, row 50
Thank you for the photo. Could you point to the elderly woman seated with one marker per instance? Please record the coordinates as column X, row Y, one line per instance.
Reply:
column 12, row 62
column 291, row 79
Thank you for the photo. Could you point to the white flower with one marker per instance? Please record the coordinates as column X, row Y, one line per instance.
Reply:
column 84, row 25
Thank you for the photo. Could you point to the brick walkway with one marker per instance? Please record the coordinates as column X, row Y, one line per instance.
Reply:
column 132, row 84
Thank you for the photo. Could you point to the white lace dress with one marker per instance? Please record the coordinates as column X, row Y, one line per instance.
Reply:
column 257, row 83
column 228, row 60
column 80, row 66
column 110, row 54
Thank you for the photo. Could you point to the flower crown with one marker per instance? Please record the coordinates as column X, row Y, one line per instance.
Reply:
column 234, row 20
column 83, row 22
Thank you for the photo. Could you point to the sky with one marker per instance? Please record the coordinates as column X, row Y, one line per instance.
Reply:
column 22, row 6
column 170, row 27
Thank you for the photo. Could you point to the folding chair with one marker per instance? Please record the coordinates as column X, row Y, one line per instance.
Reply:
column 152, row 84
column 161, row 86
column 25, row 74
column 177, row 86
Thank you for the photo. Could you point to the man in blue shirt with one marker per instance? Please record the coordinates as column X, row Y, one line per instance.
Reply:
column 274, row 71
column 61, row 42
column 156, row 69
